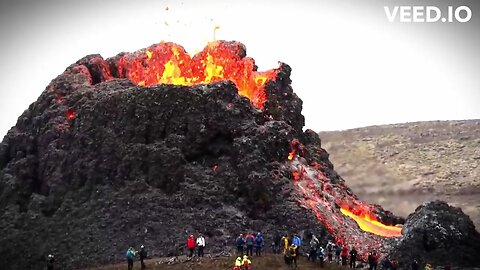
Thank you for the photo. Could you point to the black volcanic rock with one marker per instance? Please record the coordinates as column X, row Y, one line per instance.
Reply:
column 94, row 166
column 439, row 234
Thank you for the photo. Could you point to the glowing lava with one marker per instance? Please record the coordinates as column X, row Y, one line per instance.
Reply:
column 370, row 224
column 338, row 209
column 169, row 63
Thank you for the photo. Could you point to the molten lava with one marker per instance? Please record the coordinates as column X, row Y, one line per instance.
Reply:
column 291, row 155
column 339, row 210
column 369, row 223
column 169, row 63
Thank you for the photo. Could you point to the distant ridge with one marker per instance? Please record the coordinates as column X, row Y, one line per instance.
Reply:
column 402, row 165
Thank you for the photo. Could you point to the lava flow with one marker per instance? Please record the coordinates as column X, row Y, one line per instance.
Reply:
column 169, row 63
column 349, row 220
column 370, row 224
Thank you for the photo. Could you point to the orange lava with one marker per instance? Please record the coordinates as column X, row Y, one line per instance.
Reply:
column 370, row 224
column 291, row 155
column 169, row 63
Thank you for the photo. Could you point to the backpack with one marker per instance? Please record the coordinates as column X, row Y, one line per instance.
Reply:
column 240, row 241
column 292, row 251
column 250, row 240
column 259, row 240
column 129, row 254
column 296, row 241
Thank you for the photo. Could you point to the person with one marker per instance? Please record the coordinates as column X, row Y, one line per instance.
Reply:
column 191, row 245
column 240, row 244
column 376, row 256
column 238, row 263
column 329, row 251
column 321, row 255
column 130, row 256
column 285, row 243
column 249, row 241
column 313, row 248
column 371, row 261
column 428, row 267
column 247, row 264
column 200, row 245
column 414, row 265
column 338, row 250
column 277, row 240
column 353, row 257
column 297, row 241
column 344, row 255
column 258, row 244
column 143, row 256
column 50, row 262
column 293, row 252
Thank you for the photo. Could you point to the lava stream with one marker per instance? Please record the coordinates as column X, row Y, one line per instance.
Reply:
column 371, row 225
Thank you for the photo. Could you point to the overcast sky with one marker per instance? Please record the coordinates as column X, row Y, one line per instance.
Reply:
column 351, row 66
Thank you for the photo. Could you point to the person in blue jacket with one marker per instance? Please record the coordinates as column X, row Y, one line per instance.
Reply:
column 240, row 244
column 130, row 256
column 297, row 241
column 259, row 244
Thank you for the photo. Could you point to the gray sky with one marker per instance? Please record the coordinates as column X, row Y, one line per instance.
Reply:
column 351, row 66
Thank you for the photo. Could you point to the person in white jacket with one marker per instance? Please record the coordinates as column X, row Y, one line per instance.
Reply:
column 200, row 244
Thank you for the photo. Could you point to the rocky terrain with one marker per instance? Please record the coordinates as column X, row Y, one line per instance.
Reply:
column 401, row 166
column 102, row 161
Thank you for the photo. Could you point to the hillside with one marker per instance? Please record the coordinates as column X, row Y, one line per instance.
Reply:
column 401, row 166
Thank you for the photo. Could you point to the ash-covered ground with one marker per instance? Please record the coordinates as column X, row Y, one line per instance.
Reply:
column 99, row 163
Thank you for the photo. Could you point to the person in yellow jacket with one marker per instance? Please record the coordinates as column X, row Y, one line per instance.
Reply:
column 284, row 242
column 238, row 263
column 247, row 264
column 428, row 267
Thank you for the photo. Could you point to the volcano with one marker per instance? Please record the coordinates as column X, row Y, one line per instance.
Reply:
column 151, row 146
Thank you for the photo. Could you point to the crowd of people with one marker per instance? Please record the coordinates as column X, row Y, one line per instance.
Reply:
column 288, row 245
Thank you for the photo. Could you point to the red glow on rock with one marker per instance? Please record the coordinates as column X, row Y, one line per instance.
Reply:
column 296, row 175
column 70, row 114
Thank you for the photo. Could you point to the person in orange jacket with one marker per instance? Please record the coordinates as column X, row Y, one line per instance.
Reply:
column 191, row 245
column 247, row 264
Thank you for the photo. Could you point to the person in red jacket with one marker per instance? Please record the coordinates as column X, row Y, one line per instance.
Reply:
column 191, row 245
column 344, row 255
